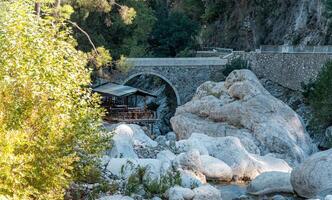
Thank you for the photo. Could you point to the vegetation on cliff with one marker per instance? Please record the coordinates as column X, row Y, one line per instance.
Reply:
column 319, row 96
column 50, row 122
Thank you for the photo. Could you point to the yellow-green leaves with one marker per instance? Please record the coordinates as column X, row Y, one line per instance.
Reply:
column 99, row 58
column 48, row 117
column 127, row 14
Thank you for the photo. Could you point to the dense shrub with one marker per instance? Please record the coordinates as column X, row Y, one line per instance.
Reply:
column 237, row 63
column 151, row 187
column 318, row 95
column 49, row 120
column 173, row 35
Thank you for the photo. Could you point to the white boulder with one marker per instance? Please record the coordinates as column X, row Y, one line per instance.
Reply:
column 166, row 156
column 313, row 178
column 328, row 197
column 231, row 151
column 115, row 197
column 177, row 193
column 125, row 137
column 205, row 192
column 215, row 169
column 242, row 108
column 189, row 160
column 123, row 168
column 278, row 197
column 190, row 179
column 122, row 147
column 270, row 182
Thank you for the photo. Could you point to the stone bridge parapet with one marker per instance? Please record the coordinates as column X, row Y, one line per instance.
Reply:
column 184, row 75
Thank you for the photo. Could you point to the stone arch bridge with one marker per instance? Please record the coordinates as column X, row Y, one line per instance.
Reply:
column 184, row 75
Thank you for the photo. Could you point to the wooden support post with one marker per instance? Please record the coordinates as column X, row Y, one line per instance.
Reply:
column 144, row 102
column 151, row 125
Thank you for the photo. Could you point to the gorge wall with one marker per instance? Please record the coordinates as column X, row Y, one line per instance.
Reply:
column 246, row 24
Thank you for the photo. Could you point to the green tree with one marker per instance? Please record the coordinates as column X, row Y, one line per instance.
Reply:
column 319, row 96
column 194, row 9
column 107, row 28
column 328, row 4
column 49, row 119
column 173, row 34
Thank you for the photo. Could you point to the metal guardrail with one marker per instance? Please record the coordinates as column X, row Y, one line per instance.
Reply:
column 192, row 61
column 218, row 49
column 295, row 49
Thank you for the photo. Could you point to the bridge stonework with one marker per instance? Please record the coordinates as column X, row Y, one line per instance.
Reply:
column 184, row 75
column 291, row 70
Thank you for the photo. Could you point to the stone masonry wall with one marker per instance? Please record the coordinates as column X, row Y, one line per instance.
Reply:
column 287, row 69
column 184, row 75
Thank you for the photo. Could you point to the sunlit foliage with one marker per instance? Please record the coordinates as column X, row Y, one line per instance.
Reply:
column 116, row 30
column 49, row 120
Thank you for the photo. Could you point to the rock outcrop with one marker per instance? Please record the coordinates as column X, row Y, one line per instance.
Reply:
column 115, row 197
column 230, row 150
column 207, row 192
column 301, row 22
column 242, row 108
column 313, row 178
column 177, row 192
column 123, row 167
column 270, row 182
column 125, row 137
column 215, row 169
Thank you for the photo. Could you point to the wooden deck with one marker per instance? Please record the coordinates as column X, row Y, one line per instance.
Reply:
column 131, row 115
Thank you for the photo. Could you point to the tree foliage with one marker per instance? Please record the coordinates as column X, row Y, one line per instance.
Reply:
column 120, row 34
column 49, row 120
column 319, row 96
column 235, row 64
column 328, row 4
column 172, row 34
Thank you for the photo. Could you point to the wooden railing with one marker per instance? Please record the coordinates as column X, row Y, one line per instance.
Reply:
column 127, row 114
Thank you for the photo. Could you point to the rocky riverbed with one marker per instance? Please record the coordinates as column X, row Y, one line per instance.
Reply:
column 233, row 140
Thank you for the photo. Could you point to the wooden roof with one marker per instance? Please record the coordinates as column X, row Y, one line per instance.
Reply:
column 112, row 89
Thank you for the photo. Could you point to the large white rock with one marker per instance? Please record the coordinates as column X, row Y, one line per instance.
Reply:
column 178, row 193
column 242, row 108
column 328, row 197
column 190, row 179
column 125, row 137
column 166, row 156
column 231, row 151
column 135, row 132
column 215, row 169
column 313, row 178
column 123, row 168
column 115, row 197
column 270, row 182
column 122, row 147
column 207, row 192
column 189, row 160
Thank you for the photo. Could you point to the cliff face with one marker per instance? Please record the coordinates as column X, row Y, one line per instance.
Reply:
column 246, row 24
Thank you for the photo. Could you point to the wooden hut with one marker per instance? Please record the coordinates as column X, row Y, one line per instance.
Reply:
column 115, row 98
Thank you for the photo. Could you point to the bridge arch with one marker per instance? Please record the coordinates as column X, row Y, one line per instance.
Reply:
column 178, row 100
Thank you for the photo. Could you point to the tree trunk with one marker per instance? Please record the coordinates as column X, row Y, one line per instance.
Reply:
column 37, row 8
column 57, row 4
